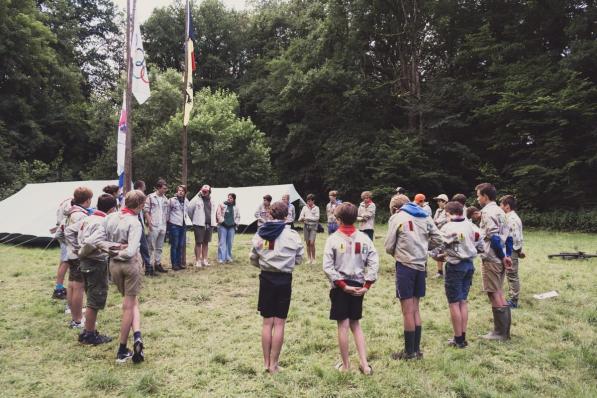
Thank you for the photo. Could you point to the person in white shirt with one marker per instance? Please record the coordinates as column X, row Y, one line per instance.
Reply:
column 202, row 211
column 366, row 214
column 509, row 205
column 440, row 219
column 178, row 209
column 262, row 214
column 310, row 217
column 291, row 210
column 156, row 218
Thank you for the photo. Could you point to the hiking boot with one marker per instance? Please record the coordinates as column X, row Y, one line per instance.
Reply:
column 452, row 343
column 59, row 294
column 176, row 268
column 138, row 354
column 404, row 356
column 93, row 338
column 183, row 266
column 513, row 303
column 122, row 357
column 159, row 268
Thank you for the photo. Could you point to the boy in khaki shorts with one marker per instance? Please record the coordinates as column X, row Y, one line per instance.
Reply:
column 310, row 217
column 124, row 229
column 495, row 262
column 509, row 205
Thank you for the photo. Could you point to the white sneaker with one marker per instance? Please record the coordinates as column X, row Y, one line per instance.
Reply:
column 206, row 263
column 198, row 264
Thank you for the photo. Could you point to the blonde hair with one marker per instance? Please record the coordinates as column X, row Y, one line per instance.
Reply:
column 333, row 193
column 366, row 194
column 134, row 199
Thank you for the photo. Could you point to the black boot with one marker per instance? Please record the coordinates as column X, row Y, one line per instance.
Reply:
column 159, row 268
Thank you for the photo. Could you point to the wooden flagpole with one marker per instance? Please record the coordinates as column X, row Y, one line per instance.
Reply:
column 184, row 98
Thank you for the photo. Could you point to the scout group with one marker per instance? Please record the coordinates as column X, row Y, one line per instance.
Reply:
column 111, row 242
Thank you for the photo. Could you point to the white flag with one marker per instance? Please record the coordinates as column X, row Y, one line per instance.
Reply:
column 140, row 75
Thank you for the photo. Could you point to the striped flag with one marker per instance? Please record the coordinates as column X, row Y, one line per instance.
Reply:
column 140, row 76
column 190, row 65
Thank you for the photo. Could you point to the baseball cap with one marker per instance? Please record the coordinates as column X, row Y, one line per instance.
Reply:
column 419, row 198
column 443, row 197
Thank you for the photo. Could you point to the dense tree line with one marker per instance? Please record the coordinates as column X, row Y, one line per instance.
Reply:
column 349, row 94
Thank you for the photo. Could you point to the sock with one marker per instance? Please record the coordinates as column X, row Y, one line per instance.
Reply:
column 459, row 339
column 59, row 286
column 122, row 349
column 409, row 342
column 137, row 335
column 418, row 331
column 463, row 336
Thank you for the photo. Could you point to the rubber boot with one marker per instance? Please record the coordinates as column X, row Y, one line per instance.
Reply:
column 507, row 322
column 499, row 319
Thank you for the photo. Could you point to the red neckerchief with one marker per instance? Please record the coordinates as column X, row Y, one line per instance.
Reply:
column 347, row 230
column 99, row 213
column 126, row 210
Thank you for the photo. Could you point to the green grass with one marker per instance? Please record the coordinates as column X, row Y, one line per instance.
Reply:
column 202, row 333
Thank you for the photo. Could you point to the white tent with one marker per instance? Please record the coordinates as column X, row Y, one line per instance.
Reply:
column 31, row 212
column 249, row 198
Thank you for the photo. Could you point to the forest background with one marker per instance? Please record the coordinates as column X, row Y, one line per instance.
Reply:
column 435, row 96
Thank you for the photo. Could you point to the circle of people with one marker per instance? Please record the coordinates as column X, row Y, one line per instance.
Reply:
column 121, row 243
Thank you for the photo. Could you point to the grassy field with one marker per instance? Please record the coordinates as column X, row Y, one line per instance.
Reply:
column 202, row 334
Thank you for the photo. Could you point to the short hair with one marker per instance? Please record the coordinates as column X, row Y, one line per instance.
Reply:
column 286, row 195
column 111, row 189
column 233, row 196
column 184, row 188
column 460, row 198
column 366, row 194
column 470, row 211
column 333, row 193
column 509, row 200
column 398, row 201
column 138, row 184
column 106, row 202
column 134, row 199
column 347, row 213
column 311, row 197
column 487, row 189
column 82, row 195
column 160, row 183
column 268, row 198
column 454, row 208
column 279, row 210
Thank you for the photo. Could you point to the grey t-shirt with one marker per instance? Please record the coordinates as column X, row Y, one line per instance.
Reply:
column 207, row 208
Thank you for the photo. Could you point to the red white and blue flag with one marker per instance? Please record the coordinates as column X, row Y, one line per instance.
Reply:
column 121, row 145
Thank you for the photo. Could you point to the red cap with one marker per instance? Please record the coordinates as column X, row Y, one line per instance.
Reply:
column 420, row 198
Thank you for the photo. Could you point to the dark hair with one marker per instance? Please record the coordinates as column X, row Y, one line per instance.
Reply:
column 233, row 196
column 460, row 198
column 160, row 183
column 509, row 200
column 82, row 195
column 111, row 189
column 454, row 208
column 138, row 184
column 268, row 198
column 279, row 210
column 106, row 202
column 487, row 189
column 311, row 197
column 184, row 188
column 346, row 212
column 470, row 211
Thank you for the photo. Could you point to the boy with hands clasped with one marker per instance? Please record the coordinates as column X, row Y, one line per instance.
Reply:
column 350, row 262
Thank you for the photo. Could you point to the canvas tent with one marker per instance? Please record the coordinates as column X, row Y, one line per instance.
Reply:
column 31, row 212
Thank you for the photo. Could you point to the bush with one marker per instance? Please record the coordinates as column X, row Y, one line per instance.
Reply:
column 574, row 221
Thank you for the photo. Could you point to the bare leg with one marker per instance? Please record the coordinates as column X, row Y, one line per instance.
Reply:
column 76, row 291
column 417, row 313
column 266, row 340
column 198, row 257
column 343, row 326
column 205, row 251
column 359, row 340
column 456, row 318
column 136, row 324
column 277, row 341
column 128, row 314
column 61, row 273
column 90, row 318
column 464, row 315
column 408, row 314
column 497, row 299
column 440, row 267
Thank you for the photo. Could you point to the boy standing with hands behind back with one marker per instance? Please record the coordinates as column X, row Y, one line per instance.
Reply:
column 350, row 262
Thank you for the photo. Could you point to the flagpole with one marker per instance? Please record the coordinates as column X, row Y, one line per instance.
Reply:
column 128, row 156
column 184, row 175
